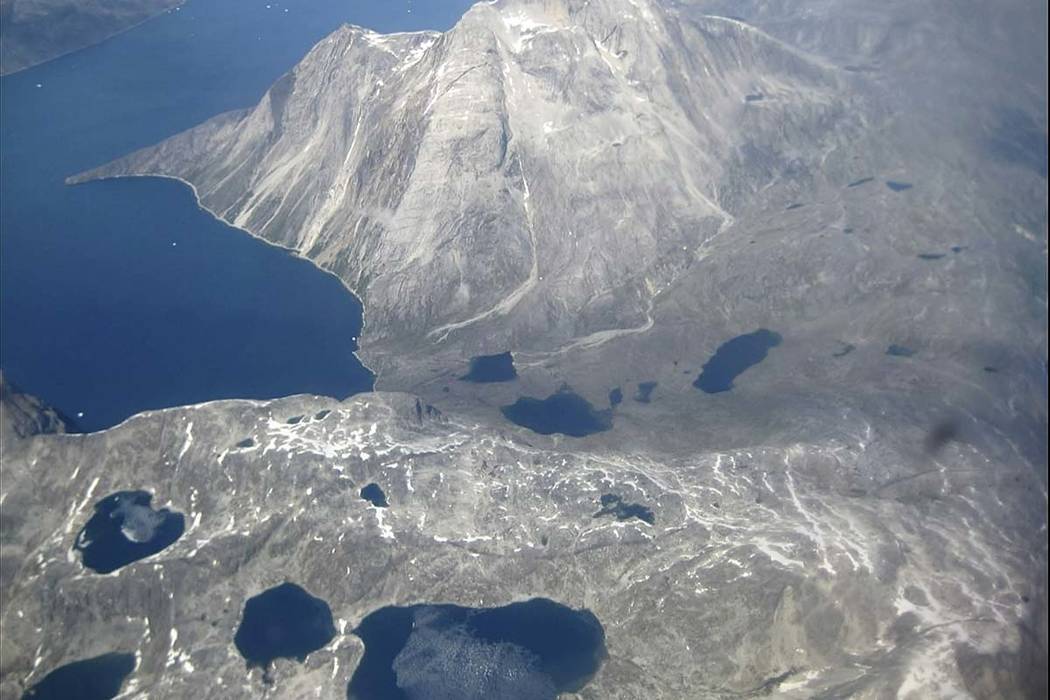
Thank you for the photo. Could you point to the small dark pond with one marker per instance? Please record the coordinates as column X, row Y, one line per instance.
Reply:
column 899, row 351
column 564, row 412
column 614, row 505
column 930, row 256
column 898, row 186
column 125, row 529
column 792, row 207
column 97, row 678
column 862, row 181
column 374, row 495
column 523, row 651
column 733, row 357
column 754, row 97
column 616, row 397
column 846, row 349
column 284, row 622
column 491, row 368
column 645, row 392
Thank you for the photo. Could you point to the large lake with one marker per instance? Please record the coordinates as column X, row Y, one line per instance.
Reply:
column 122, row 296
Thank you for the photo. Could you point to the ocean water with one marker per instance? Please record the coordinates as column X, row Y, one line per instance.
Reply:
column 122, row 296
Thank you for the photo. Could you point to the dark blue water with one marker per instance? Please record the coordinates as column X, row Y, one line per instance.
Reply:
column 645, row 392
column 374, row 495
column 97, row 678
column 733, row 357
column 615, row 506
column 930, row 256
column 898, row 186
column 102, row 315
column 523, row 651
column 124, row 529
column 899, row 351
column 615, row 397
column 562, row 412
column 284, row 622
column 491, row 368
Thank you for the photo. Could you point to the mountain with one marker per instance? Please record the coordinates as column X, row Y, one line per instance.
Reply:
column 547, row 175
column 35, row 31
column 533, row 176
column 626, row 196
column 612, row 190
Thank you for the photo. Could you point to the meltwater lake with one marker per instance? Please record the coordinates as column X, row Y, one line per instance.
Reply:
column 122, row 296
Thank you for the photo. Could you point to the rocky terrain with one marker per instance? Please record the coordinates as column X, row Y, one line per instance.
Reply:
column 548, row 177
column 35, row 31
column 611, row 191
column 25, row 415
column 845, row 567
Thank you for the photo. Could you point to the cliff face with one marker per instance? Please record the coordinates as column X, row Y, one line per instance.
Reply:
column 35, row 31
column 538, row 173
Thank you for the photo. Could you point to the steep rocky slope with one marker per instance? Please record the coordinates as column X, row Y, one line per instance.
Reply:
column 536, row 174
column 545, row 174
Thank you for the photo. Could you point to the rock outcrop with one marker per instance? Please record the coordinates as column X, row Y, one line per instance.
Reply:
column 802, row 568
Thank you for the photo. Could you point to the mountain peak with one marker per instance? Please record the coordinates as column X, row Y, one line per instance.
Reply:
column 535, row 175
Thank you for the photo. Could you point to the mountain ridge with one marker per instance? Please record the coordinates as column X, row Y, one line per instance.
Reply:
column 489, row 190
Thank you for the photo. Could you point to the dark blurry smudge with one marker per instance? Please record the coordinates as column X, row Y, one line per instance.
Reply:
column 940, row 435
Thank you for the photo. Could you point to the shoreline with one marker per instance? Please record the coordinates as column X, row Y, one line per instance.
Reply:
column 103, row 40
column 75, row 180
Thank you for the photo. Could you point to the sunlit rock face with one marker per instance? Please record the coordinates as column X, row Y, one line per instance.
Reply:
column 541, row 171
